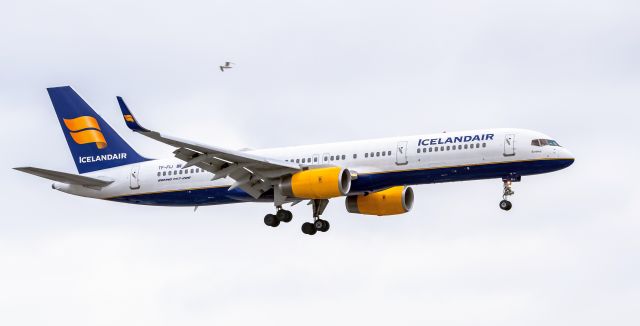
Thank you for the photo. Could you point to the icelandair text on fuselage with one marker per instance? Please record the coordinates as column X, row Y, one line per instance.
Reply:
column 100, row 158
column 451, row 140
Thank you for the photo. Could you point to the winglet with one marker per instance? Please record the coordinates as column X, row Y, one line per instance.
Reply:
column 129, row 119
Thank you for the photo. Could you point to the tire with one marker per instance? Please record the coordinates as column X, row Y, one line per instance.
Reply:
column 271, row 220
column 325, row 227
column 321, row 225
column 308, row 228
column 505, row 205
column 284, row 216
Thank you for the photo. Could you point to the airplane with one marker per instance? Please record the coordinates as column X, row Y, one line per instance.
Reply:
column 374, row 176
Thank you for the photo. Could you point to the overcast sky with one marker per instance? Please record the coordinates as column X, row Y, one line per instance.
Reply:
column 568, row 253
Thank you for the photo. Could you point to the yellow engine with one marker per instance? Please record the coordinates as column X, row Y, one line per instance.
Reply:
column 323, row 183
column 392, row 201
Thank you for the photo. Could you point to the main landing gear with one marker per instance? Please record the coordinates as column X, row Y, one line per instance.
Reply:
column 318, row 224
column 281, row 215
column 505, row 204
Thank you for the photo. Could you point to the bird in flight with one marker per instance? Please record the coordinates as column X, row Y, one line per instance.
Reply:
column 227, row 65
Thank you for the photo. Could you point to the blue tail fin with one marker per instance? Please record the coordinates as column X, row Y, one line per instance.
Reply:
column 93, row 144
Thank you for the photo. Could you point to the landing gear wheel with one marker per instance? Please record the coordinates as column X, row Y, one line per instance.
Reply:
column 505, row 205
column 309, row 228
column 271, row 220
column 284, row 216
column 321, row 225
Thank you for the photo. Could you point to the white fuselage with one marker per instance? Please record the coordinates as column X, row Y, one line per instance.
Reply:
column 379, row 164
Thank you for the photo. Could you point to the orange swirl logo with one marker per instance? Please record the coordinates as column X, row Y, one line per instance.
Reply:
column 86, row 130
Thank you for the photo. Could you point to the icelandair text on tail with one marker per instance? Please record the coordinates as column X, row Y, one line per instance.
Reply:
column 100, row 158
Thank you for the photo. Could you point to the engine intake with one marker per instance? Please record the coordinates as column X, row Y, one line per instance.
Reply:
column 392, row 201
column 323, row 183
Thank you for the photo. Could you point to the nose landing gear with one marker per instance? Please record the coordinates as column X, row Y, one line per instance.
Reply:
column 505, row 204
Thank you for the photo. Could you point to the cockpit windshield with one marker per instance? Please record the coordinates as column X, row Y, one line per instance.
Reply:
column 544, row 142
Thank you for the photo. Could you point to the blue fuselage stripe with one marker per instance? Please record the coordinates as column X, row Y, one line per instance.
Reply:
column 365, row 182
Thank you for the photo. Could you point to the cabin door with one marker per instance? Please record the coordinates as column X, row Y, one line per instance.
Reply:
column 134, row 177
column 509, row 145
column 401, row 153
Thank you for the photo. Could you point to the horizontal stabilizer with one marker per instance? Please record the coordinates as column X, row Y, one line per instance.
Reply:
column 63, row 177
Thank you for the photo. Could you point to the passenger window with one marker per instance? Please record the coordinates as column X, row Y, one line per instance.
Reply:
column 377, row 154
column 344, row 157
column 159, row 173
column 332, row 157
column 297, row 160
column 430, row 149
column 418, row 151
column 355, row 156
column 436, row 148
column 466, row 146
column 453, row 148
column 315, row 160
column 371, row 154
column 459, row 147
column 303, row 160
column 389, row 152
column 442, row 148
column 484, row 145
column 326, row 158
column 179, row 171
column 366, row 155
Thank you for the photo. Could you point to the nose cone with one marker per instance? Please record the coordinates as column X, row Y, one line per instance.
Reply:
column 565, row 154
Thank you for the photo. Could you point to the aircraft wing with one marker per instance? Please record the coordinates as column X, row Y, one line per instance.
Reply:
column 64, row 177
column 254, row 174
